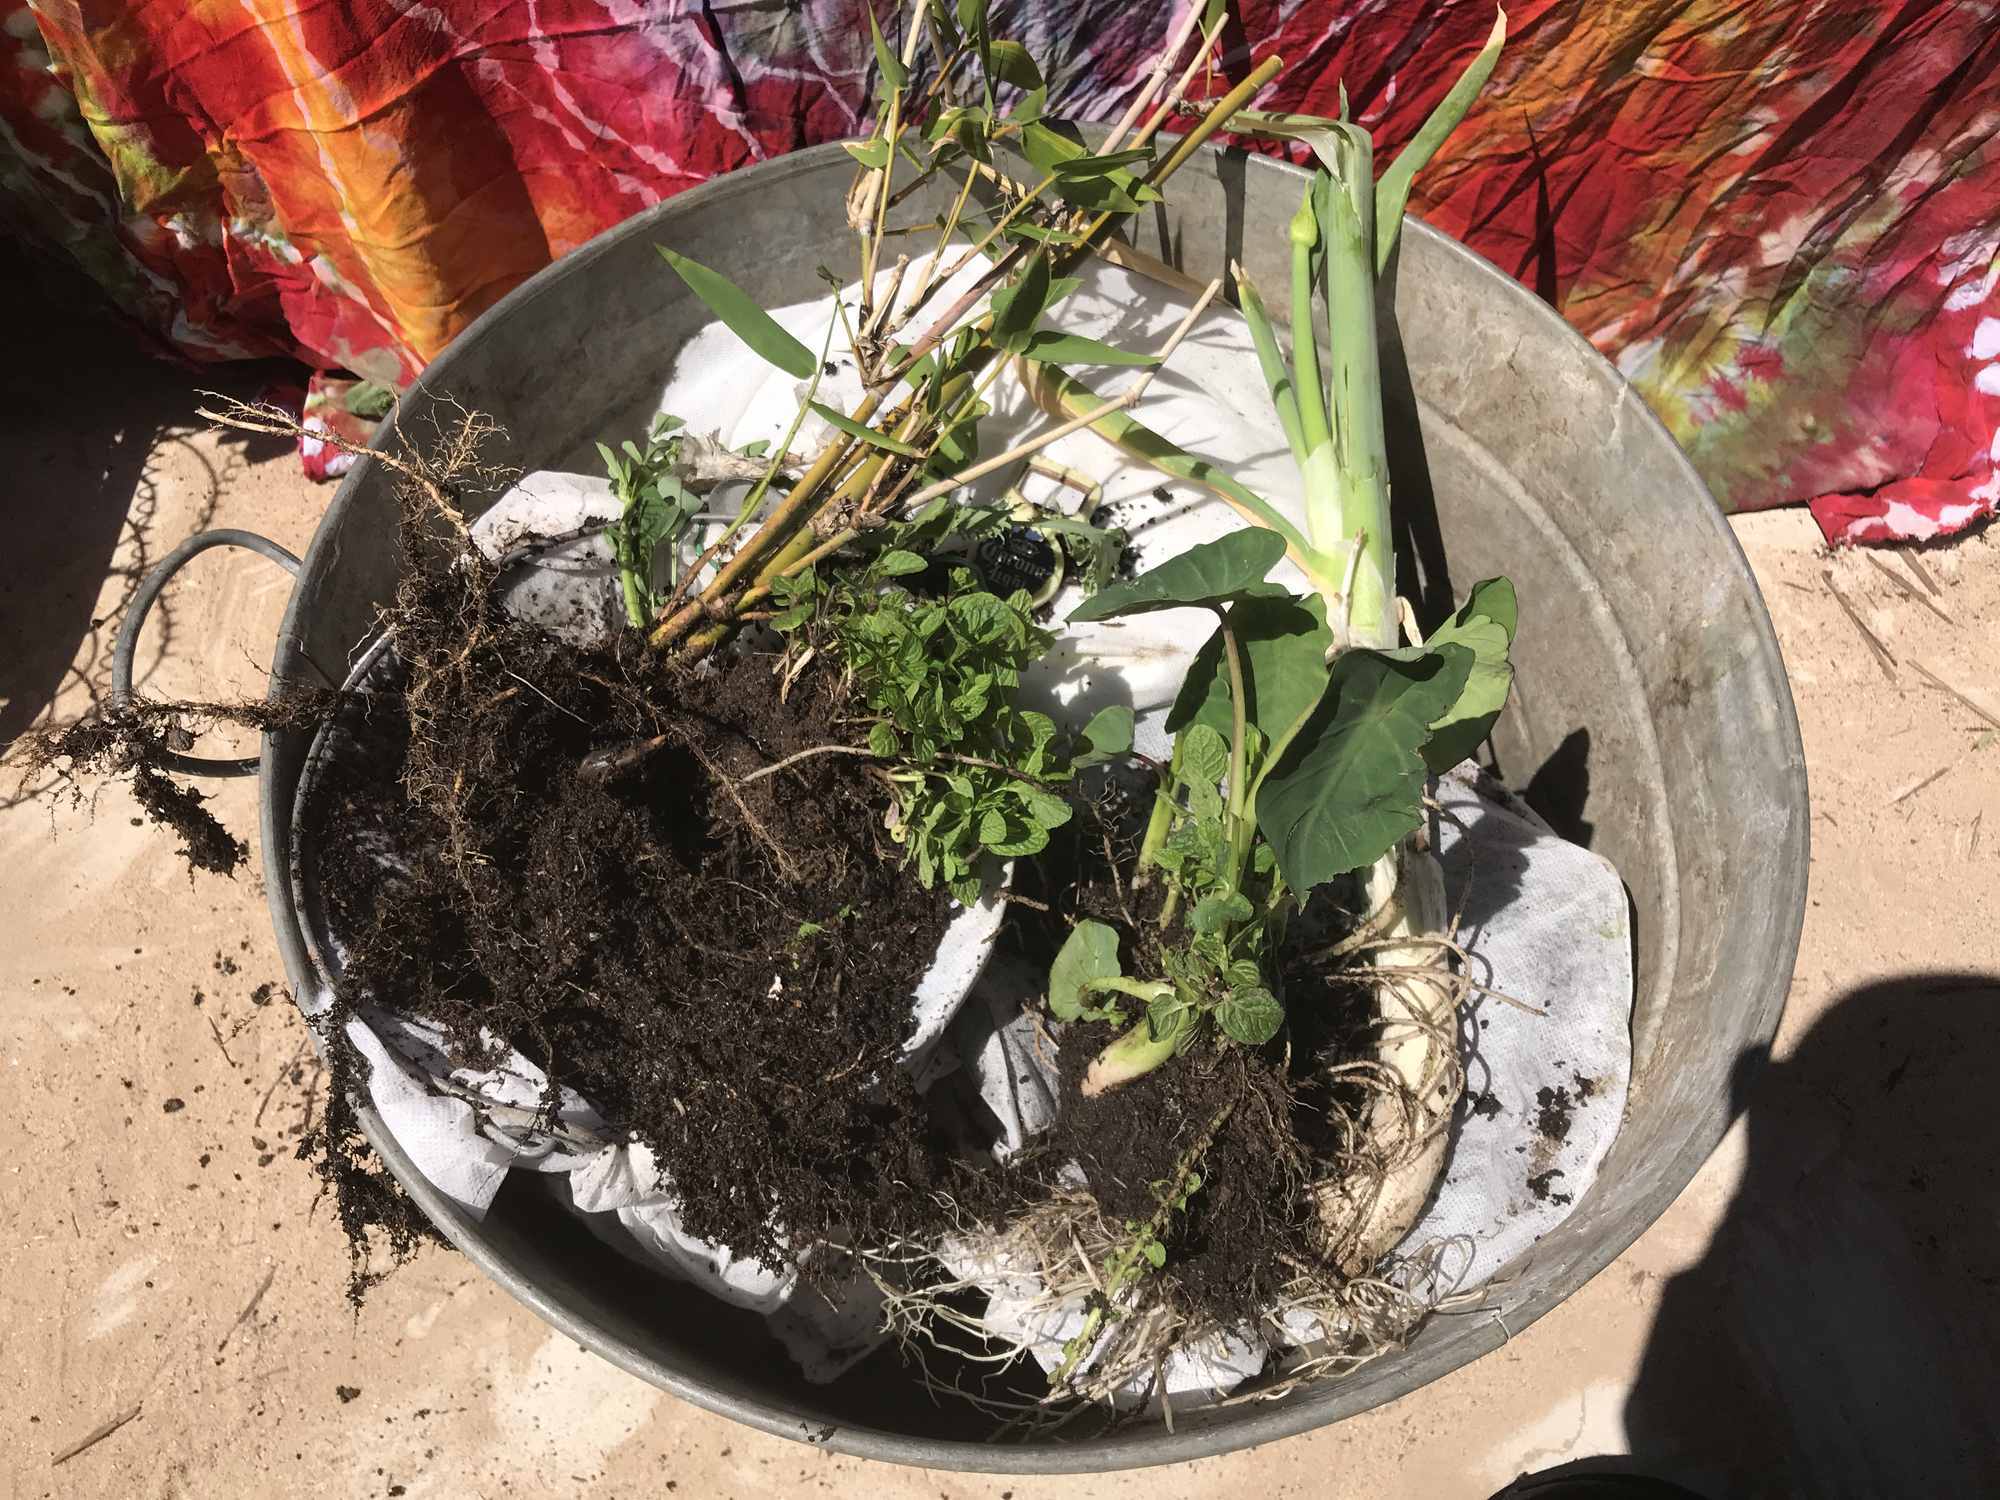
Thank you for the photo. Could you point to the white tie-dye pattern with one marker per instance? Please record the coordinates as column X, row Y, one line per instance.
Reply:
column 343, row 112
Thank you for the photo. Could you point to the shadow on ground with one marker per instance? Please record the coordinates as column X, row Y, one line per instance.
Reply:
column 86, row 407
column 1842, row 1335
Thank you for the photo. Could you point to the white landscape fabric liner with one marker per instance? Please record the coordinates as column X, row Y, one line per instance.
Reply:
column 1546, row 921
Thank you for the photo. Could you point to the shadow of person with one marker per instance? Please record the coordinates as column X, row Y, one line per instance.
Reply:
column 1842, row 1335
column 1560, row 788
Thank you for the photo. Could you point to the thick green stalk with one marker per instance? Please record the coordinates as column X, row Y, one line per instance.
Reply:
column 1133, row 1055
column 1305, row 338
column 1161, row 822
column 1271, row 359
column 635, row 598
column 1241, row 825
column 1361, row 450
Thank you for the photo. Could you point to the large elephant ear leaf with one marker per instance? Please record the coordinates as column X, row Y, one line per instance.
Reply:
column 1211, row 575
column 1284, row 644
column 1352, row 783
column 1485, row 627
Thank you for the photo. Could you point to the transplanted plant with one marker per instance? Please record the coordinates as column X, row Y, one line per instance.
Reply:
column 834, row 561
column 1304, row 734
column 1305, row 731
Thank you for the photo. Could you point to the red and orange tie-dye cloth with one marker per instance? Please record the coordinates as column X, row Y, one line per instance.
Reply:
column 1779, row 217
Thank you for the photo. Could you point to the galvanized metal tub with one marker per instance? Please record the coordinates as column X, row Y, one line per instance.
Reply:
column 1652, row 701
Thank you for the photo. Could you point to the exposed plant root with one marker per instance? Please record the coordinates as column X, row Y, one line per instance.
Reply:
column 1047, row 1264
column 1394, row 1145
column 367, row 1200
column 138, row 739
column 446, row 627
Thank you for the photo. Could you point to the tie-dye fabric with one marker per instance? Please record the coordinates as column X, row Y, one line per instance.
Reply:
column 1780, row 217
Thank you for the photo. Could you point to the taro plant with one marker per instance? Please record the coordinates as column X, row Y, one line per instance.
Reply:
column 1304, row 733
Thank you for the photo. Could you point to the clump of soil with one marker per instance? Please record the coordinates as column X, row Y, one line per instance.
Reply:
column 1227, row 1249
column 139, row 739
column 366, row 1198
column 1256, row 1116
column 723, row 966
column 1554, row 1113
column 1541, row 1185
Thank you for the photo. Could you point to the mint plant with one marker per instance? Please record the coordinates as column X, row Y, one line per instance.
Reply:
column 935, row 673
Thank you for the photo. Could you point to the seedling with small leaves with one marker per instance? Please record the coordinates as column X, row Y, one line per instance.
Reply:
column 934, row 673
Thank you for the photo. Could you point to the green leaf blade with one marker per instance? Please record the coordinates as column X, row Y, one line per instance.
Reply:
column 894, row 74
column 1051, row 347
column 742, row 316
column 1250, row 1016
column 1018, row 306
column 1107, row 737
column 898, row 562
column 1011, row 62
column 1352, row 785
column 1090, row 952
column 1081, row 178
column 1284, row 643
column 1215, row 913
column 864, row 432
column 1485, row 627
column 871, row 154
column 1392, row 189
column 1100, row 165
column 1210, row 575
column 1204, row 755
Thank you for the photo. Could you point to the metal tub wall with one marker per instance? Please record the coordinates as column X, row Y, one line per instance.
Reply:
column 1649, row 687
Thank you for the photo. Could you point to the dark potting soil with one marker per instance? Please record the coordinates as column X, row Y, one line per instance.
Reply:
column 723, row 969
column 1227, row 1249
column 1554, row 1114
column 1235, row 1246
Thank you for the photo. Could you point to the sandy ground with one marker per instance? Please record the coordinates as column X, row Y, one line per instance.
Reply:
column 1815, row 1313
